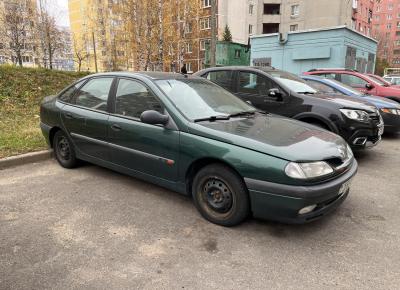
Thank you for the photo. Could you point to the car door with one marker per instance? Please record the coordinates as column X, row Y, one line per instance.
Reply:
column 254, row 88
column 150, row 149
column 86, row 118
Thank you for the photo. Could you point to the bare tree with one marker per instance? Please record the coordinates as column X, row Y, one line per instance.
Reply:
column 17, row 26
column 53, row 39
column 80, row 52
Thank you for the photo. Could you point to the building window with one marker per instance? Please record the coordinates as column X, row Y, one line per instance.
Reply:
column 390, row 7
column 188, row 28
column 389, row 17
column 205, row 23
column 396, row 51
column 295, row 9
column 237, row 53
column 389, row 26
column 189, row 67
column 205, row 3
column 189, row 47
column 294, row 27
column 250, row 29
column 204, row 43
column 251, row 9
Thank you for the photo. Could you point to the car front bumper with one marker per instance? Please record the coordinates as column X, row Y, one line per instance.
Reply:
column 392, row 122
column 279, row 202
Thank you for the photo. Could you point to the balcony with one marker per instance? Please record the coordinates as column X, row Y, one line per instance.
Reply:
column 272, row 9
column 271, row 19
column 270, row 28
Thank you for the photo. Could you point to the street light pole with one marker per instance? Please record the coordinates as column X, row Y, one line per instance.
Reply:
column 213, row 48
column 95, row 52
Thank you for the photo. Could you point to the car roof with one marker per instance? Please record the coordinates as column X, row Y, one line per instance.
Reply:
column 147, row 74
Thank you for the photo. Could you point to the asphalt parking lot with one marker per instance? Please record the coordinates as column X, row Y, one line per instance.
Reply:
column 96, row 229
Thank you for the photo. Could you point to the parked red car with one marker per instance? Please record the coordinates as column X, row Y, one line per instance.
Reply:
column 359, row 81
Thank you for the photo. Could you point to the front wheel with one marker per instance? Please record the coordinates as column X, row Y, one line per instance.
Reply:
column 220, row 195
column 64, row 151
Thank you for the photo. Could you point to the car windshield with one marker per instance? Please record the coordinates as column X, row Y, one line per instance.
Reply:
column 292, row 82
column 378, row 78
column 200, row 99
column 376, row 81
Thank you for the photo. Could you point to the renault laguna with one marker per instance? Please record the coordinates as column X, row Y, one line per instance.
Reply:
column 193, row 137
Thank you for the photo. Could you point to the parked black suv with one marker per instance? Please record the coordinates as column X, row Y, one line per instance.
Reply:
column 283, row 93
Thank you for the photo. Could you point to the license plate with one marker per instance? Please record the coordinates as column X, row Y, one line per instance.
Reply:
column 345, row 187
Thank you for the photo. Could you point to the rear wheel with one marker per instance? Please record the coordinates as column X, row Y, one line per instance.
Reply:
column 220, row 195
column 64, row 151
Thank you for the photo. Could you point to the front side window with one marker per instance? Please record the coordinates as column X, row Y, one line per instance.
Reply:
column 352, row 81
column 133, row 98
column 67, row 95
column 255, row 84
column 321, row 87
column 197, row 98
column 94, row 94
column 222, row 78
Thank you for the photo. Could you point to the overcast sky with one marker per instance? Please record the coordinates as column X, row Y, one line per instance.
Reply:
column 59, row 9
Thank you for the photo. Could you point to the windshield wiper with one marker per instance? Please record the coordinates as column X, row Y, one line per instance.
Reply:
column 306, row 93
column 244, row 113
column 213, row 118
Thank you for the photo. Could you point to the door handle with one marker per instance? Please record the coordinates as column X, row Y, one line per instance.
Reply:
column 69, row 116
column 116, row 127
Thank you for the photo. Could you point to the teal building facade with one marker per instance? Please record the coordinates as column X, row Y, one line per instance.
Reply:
column 300, row 51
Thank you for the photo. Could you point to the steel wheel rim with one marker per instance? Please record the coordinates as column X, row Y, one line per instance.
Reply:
column 217, row 196
column 63, row 148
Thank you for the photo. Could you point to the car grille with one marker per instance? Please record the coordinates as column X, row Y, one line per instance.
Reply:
column 376, row 118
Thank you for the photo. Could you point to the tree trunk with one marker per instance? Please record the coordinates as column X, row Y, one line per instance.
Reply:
column 19, row 58
column 213, row 48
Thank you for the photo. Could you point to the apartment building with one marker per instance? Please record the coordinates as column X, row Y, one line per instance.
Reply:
column 132, row 35
column 292, row 15
column 386, row 29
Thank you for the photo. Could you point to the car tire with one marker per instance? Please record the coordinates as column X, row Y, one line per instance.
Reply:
column 320, row 125
column 64, row 150
column 220, row 195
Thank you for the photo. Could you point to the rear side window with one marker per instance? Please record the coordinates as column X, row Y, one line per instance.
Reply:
column 222, row 78
column 133, row 98
column 94, row 94
column 328, row 75
column 67, row 95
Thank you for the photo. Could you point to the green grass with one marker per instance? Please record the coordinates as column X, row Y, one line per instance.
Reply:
column 21, row 91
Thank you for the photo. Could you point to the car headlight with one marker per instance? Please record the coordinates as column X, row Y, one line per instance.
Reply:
column 357, row 115
column 308, row 170
column 391, row 111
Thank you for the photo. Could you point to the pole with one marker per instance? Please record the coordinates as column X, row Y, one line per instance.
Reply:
column 94, row 51
column 213, row 48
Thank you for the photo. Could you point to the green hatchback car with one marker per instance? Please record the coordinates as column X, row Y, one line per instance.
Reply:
column 193, row 137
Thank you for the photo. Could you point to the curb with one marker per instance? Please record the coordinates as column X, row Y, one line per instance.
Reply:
column 25, row 159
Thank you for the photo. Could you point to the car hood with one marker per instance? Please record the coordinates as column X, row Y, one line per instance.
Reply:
column 381, row 102
column 274, row 135
column 347, row 102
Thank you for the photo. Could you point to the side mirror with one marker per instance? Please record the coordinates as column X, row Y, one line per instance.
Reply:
column 274, row 93
column 369, row 86
column 154, row 118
